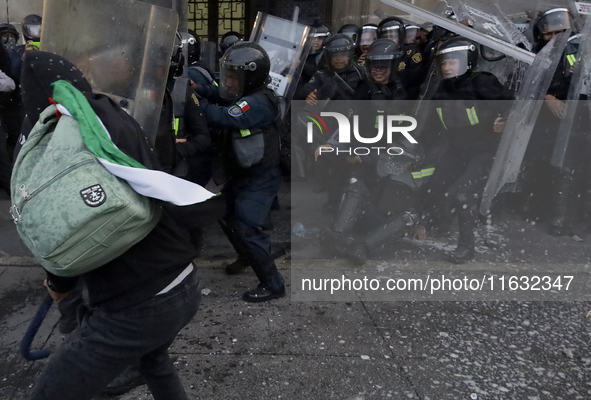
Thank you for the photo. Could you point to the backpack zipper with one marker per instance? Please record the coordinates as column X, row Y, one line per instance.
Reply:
column 18, row 210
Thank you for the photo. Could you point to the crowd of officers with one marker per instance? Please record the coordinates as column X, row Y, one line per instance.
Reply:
column 233, row 131
column 462, row 127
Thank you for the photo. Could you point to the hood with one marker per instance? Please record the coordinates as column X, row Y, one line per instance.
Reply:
column 40, row 69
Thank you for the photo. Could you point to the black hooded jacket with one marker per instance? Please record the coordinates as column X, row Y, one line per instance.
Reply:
column 153, row 263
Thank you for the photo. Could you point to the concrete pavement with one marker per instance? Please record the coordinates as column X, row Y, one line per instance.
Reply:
column 333, row 350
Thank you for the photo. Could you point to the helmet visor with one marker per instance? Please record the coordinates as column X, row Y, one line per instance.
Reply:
column 317, row 42
column 392, row 33
column 369, row 34
column 554, row 20
column 231, row 82
column 380, row 68
column 339, row 61
column 453, row 62
column 32, row 31
column 411, row 35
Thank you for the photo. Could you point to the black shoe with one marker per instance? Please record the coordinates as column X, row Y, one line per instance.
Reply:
column 67, row 324
column 237, row 267
column 126, row 381
column 263, row 293
column 462, row 255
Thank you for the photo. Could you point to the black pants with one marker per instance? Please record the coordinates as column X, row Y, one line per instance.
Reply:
column 458, row 180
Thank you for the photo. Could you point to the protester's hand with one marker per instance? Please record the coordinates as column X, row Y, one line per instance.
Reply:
column 499, row 125
column 418, row 232
column 557, row 107
column 354, row 159
column 54, row 295
column 192, row 85
column 317, row 152
column 181, row 140
column 312, row 99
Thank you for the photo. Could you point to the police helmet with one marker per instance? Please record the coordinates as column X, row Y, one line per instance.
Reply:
column 383, row 54
column 411, row 32
column 338, row 51
column 177, row 60
column 8, row 28
column 193, row 46
column 319, row 37
column 392, row 28
column 455, row 57
column 369, row 34
column 230, row 39
column 553, row 20
column 32, row 27
column 352, row 31
column 244, row 68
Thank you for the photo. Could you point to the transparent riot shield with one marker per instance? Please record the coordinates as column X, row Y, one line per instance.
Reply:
column 481, row 34
column 522, row 119
column 288, row 45
column 576, row 111
column 123, row 47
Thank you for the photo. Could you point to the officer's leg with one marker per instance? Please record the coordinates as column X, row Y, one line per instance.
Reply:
column 393, row 227
column 68, row 308
column 351, row 206
column 230, row 192
column 467, row 191
column 437, row 200
column 252, row 207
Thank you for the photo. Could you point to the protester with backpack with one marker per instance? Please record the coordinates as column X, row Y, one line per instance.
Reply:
column 139, row 301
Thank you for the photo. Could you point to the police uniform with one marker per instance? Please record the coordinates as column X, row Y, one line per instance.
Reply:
column 466, row 121
column 250, row 192
column 339, row 87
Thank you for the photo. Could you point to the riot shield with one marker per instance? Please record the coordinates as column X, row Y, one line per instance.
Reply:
column 522, row 119
column 575, row 109
column 123, row 47
column 288, row 45
column 481, row 34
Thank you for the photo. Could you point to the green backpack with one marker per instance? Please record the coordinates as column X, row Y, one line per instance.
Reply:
column 71, row 212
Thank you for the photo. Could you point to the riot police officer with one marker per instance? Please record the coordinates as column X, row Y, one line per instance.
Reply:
column 361, row 225
column 472, row 129
column 352, row 31
column 314, row 61
column 542, row 179
column 250, row 149
column 341, row 76
column 369, row 34
column 32, row 29
column 412, row 68
column 229, row 39
column 203, row 79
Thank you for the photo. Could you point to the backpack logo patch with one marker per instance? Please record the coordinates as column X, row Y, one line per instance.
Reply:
column 93, row 196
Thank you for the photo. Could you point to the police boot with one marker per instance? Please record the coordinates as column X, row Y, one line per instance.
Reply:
column 126, row 381
column 272, row 285
column 561, row 201
column 465, row 250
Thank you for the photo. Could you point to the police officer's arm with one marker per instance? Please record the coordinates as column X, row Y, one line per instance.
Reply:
column 249, row 112
column 198, row 138
column 204, row 87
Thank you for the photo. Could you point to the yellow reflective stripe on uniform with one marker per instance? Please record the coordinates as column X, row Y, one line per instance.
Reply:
column 176, row 126
column 378, row 118
column 441, row 117
column 245, row 132
column 472, row 116
column 215, row 83
column 423, row 173
column 571, row 59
